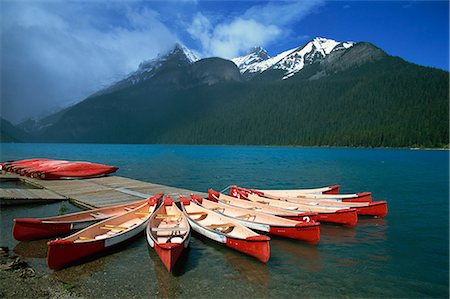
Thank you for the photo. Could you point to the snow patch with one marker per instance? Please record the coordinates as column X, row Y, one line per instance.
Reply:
column 291, row 61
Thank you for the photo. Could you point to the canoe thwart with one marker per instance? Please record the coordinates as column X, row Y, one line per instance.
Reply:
column 221, row 225
column 111, row 227
column 99, row 215
column 163, row 216
column 169, row 229
column 246, row 216
column 197, row 213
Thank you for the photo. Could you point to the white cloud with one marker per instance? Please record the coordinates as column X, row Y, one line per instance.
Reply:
column 282, row 13
column 260, row 25
column 241, row 34
column 56, row 53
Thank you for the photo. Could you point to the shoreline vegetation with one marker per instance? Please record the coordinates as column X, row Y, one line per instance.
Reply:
column 445, row 148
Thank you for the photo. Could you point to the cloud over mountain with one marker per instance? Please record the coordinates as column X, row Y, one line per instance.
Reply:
column 258, row 25
column 57, row 53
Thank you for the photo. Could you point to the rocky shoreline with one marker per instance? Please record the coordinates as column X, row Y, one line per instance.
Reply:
column 19, row 280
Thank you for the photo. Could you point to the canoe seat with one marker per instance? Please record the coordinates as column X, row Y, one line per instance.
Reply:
column 263, row 202
column 142, row 213
column 164, row 216
column 83, row 239
column 223, row 227
column 128, row 209
column 291, row 208
column 99, row 215
column 169, row 218
column 219, row 209
column 112, row 227
column 247, row 216
column 169, row 232
column 255, row 209
column 197, row 213
column 169, row 229
column 202, row 215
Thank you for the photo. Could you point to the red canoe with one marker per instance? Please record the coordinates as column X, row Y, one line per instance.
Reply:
column 44, row 165
column 26, row 229
column 355, row 197
column 299, row 230
column 58, row 169
column 100, row 236
column 375, row 208
column 13, row 165
column 226, row 230
column 254, row 206
column 321, row 190
column 344, row 216
column 168, row 232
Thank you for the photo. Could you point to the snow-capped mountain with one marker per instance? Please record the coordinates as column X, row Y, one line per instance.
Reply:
column 148, row 69
column 291, row 61
column 251, row 59
column 179, row 56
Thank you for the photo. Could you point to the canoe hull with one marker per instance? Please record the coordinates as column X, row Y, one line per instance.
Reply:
column 310, row 233
column 94, row 173
column 58, row 169
column 256, row 246
column 333, row 190
column 62, row 253
column 361, row 197
column 347, row 217
column 27, row 229
column 377, row 209
column 169, row 253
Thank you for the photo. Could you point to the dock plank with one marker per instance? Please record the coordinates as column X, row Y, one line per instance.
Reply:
column 94, row 192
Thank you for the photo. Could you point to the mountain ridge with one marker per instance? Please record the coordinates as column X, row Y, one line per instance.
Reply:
column 343, row 95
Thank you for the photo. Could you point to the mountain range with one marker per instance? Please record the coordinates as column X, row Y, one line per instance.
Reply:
column 322, row 93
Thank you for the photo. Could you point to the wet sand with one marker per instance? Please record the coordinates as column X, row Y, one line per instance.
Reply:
column 19, row 280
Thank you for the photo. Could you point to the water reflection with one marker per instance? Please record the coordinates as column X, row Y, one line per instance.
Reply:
column 303, row 255
column 250, row 269
column 32, row 249
column 235, row 268
column 167, row 285
column 367, row 231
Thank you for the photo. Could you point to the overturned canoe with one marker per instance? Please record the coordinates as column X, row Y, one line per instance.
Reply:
column 226, row 230
column 168, row 232
column 43, row 168
column 343, row 216
column 12, row 166
column 100, row 236
column 259, row 207
column 299, row 230
column 26, row 229
column 355, row 197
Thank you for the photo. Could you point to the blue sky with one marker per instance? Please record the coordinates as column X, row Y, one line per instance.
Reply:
column 55, row 53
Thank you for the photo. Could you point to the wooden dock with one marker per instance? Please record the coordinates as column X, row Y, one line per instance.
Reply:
column 90, row 193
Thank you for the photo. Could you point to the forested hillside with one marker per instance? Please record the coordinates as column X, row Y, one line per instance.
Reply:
column 358, row 97
column 390, row 103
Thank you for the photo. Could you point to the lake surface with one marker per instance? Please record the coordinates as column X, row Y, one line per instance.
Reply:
column 403, row 255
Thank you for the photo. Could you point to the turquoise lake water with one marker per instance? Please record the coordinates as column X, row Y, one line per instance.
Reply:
column 403, row 255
